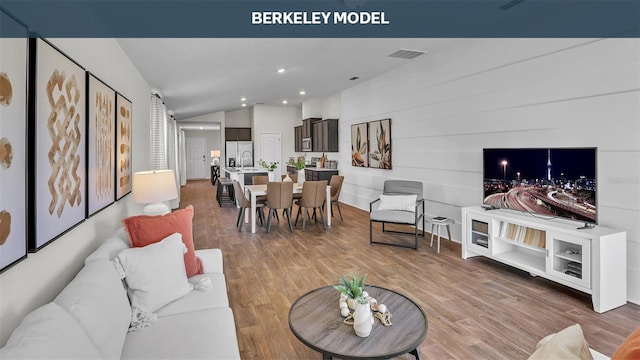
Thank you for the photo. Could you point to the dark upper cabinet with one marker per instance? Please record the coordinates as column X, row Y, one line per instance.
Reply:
column 297, row 130
column 307, row 127
column 325, row 135
column 237, row 134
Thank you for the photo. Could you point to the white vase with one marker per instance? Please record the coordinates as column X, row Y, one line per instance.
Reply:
column 362, row 319
column 272, row 177
column 301, row 177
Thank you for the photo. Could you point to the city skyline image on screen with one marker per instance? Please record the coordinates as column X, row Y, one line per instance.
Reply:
column 547, row 181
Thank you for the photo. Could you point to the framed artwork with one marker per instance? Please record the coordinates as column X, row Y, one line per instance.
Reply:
column 101, row 138
column 359, row 145
column 123, row 146
column 13, row 145
column 380, row 144
column 58, row 127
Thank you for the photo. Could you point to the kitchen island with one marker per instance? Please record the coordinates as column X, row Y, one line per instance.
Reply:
column 244, row 175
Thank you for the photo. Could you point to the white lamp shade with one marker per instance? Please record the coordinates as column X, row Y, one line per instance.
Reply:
column 154, row 186
column 215, row 153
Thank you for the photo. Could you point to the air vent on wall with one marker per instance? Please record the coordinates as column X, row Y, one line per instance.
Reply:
column 406, row 54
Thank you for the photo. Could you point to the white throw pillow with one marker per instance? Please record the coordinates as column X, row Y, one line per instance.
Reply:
column 398, row 202
column 155, row 275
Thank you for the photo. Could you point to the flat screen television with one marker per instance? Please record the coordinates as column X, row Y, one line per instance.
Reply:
column 552, row 182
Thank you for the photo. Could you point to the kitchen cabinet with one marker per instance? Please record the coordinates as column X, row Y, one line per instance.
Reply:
column 311, row 174
column 297, row 131
column 325, row 135
column 237, row 134
column 307, row 127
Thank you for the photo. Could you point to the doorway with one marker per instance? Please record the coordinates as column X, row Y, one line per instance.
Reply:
column 270, row 151
column 196, row 158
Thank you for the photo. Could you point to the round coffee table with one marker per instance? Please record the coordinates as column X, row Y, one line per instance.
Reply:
column 315, row 320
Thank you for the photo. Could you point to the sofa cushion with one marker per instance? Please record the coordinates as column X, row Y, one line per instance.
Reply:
column 393, row 216
column 204, row 334
column 97, row 299
column 211, row 260
column 49, row 332
column 144, row 230
column 566, row 344
column 397, row 202
column 108, row 250
column 630, row 347
column 155, row 274
column 199, row 300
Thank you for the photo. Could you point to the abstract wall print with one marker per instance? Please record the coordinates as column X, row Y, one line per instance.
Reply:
column 123, row 146
column 359, row 145
column 60, row 144
column 13, row 146
column 380, row 144
column 101, row 102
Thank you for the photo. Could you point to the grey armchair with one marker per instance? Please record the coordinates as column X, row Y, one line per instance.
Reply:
column 404, row 216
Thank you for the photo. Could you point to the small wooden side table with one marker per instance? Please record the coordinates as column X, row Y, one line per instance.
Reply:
column 439, row 223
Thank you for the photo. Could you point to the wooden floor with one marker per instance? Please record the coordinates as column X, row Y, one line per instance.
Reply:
column 477, row 308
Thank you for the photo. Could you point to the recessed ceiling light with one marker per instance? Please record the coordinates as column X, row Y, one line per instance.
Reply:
column 201, row 128
column 243, row 105
column 284, row 102
column 302, row 92
column 281, row 70
column 243, row 99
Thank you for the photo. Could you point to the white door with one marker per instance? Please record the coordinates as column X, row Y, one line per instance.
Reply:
column 270, row 150
column 196, row 158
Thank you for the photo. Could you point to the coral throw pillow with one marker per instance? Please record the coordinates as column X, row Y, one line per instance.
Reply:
column 144, row 230
column 630, row 347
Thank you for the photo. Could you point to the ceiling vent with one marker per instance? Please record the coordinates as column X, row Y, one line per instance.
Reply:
column 406, row 54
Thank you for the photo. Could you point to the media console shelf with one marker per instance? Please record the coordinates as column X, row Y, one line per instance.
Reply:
column 592, row 260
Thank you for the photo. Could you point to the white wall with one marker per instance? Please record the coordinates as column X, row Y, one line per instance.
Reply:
column 448, row 105
column 276, row 119
column 238, row 118
column 38, row 279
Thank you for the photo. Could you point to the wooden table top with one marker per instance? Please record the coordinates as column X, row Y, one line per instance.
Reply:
column 316, row 321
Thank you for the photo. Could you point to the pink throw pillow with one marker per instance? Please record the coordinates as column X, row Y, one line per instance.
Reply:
column 144, row 230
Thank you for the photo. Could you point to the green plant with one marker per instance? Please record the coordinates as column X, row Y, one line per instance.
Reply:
column 300, row 164
column 351, row 288
column 270, row 167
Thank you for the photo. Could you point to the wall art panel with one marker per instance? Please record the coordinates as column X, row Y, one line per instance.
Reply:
column 123, row 146
column 13, row 146
column 380, row 144
column 60, row 145
column 359, row 145
column 101, row 104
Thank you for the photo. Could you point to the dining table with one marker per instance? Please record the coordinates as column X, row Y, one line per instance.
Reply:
column 261, row 190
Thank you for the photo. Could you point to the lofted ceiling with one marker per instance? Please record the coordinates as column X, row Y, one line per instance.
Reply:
column 201, row 76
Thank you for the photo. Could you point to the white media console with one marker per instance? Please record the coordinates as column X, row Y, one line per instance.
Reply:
column 591, row 260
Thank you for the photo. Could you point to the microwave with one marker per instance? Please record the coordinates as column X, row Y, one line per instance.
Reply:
column 306, row 144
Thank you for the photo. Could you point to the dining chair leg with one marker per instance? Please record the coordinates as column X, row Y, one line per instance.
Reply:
column 339, row 210
column 288, row 213
column 322, row 219
column 304, row 219
column 269, row 220
column 243, row 213
column 298, row 215
column 239, row 215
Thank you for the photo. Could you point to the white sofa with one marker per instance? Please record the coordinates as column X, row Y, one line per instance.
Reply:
column 90, row 318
